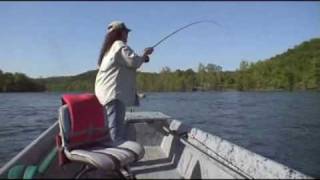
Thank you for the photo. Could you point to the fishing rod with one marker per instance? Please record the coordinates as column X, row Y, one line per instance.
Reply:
column 184, row 27
column 180, row 29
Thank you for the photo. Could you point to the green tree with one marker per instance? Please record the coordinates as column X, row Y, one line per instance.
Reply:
column 1, row 80
column 201, row 76
column 317, row 72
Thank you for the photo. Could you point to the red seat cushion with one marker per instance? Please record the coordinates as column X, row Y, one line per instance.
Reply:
column 87, row 118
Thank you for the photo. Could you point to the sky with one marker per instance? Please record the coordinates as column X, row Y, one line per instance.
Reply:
column 43, row 39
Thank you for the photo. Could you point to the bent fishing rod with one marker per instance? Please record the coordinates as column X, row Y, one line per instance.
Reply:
column 184, row 27
column 180, row 29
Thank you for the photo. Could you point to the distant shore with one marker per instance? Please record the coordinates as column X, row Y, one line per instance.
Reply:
column 297, row 69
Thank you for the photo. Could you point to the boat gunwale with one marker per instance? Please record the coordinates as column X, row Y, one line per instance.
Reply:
column 17, row 158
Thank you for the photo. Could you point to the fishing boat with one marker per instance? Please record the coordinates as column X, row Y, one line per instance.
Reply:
column 173, row 150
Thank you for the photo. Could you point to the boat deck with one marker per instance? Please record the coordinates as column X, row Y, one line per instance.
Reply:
column 155, row 165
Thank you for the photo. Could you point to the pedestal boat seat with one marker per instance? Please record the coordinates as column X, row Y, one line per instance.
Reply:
column 84, row 138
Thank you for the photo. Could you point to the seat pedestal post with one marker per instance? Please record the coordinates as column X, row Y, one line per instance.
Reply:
column 84, row 169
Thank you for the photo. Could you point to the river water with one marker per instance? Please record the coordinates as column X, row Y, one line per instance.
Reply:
column 283, row 126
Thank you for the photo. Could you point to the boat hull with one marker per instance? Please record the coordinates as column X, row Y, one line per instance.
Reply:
column 173, row 150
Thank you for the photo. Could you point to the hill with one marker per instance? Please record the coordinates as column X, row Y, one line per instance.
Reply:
column 18, row 82
column 296, row 69
column 80, row 82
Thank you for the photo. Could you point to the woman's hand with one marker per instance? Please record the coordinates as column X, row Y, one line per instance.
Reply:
column 147, row 52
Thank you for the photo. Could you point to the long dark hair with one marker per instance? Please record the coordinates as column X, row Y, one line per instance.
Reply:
column 109, row 39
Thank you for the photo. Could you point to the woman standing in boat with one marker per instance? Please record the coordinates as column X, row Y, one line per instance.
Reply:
column 115, row 85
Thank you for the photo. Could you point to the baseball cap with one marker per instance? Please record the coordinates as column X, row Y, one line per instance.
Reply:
column 117, row 25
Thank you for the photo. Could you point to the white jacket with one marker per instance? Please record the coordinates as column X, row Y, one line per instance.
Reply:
column 116, row 78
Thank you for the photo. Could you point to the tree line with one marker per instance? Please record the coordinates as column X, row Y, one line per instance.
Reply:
column 18, row 82
column 296, row 69
column 208, row 77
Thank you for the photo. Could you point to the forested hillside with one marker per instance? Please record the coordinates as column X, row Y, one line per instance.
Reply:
column 295, row 69
column 18, row 82
column 81, row 82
